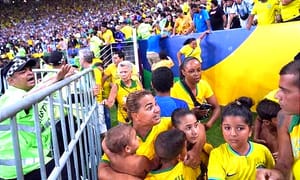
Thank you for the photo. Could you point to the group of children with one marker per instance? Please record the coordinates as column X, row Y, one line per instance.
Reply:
column 237, row 158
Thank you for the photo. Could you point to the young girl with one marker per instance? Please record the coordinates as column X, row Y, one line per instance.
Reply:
column 186, row 121
column 238, row 158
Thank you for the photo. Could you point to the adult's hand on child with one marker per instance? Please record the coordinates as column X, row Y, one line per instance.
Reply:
column 191, row 159
column 268, row 174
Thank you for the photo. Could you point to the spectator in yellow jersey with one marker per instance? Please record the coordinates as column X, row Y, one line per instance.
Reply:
column 95, row 42
column 111, row 70
column 144, row 113
column 121, row 89
column 127, row 30
column 191, row 48
column 238, row 158
column 106, row 34
column 144, row 30
column 290, row 10
column 196, row 91
column 265, row 10
column 187, row 122
column 183, row 24
column 164, row 61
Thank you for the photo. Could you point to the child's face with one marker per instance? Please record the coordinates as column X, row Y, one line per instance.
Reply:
column 236, row 131
column 134, row 142
column 189, row 126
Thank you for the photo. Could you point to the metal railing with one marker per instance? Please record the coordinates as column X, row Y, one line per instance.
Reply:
column 75, row 143
column 127, row 47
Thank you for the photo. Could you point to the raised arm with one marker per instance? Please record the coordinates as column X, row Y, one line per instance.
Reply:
column 65, row 71
column 202, row 35
column 179, row 54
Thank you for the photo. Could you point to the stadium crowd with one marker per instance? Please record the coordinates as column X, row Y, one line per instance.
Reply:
column 43, row 26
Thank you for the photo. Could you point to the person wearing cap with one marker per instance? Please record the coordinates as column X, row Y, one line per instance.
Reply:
column 21, row 82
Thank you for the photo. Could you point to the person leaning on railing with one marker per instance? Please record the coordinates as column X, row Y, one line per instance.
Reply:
column 21, row 82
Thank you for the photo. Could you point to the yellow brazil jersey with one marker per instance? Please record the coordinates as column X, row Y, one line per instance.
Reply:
column 294, row 131
column 296, row 172
column 98, row 78
column 123, row 92
column 183, row 24
column 10, row 55
column 30, row 42
column 271, row 95
column 188, row 51
column 127, row 30
column 204, row 91
column 162, row 63
column 186, row 8
column 290, row 10
column 265, row 11
column 225, row 163
column 208, row 5
column 146, row 145
column 177, row 172
column 111, row 70
column 108, row 37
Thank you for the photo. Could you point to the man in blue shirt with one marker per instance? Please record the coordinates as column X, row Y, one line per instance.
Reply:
column 200, row 18
column 162, row 81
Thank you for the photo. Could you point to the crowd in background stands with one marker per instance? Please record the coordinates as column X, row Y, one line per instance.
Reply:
column 44, row 26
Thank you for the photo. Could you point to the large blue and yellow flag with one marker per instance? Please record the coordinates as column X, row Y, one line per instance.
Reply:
column 239, row 62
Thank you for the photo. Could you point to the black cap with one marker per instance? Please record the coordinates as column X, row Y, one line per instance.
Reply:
column 55, row 58
column 17, row 65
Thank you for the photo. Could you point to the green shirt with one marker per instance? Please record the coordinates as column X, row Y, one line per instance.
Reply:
column 27, row 136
